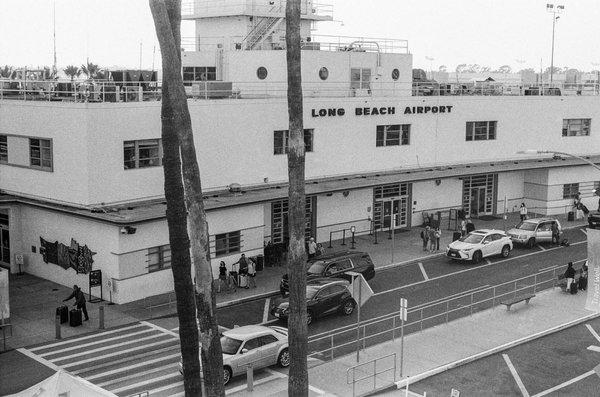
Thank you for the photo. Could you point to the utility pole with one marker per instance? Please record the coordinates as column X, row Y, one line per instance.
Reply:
column 553, row 10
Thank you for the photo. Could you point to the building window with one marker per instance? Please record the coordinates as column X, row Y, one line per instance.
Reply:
column 481, row 130
column 3, row 149
column 282, row 137
column 395, row 74
column 199, row 73
column 159, row 258
column 228, row 243
column 323, row 73
column 261, row 73
column 570, row 190
column 360, row 78
column 142, row 154
column 40, row 153
column 393, row 135
column 576, row 127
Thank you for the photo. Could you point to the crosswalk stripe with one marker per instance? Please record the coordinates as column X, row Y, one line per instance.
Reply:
column 89, row 360
column 86, row 337
column 127, row 368
column 86, row 352
column 166, row 387
column 94, row 343
column 126, row 359
column 138, row 384
column 161, row 329
column 136, row 374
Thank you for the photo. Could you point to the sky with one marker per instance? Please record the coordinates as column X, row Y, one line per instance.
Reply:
column 485, row 32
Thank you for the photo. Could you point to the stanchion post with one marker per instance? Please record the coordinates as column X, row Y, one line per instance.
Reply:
column 330, row 239
column 101, row 317
column 353, row 230
column 344, row 237
column 57, row 326
column 249, row 378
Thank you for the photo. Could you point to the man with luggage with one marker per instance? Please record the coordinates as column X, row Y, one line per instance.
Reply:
column 79, row 301
column 243, row 275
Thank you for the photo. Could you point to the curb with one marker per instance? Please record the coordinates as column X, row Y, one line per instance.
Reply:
column 446, row 367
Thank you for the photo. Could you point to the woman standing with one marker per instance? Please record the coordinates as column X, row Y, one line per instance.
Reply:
column 523, row 212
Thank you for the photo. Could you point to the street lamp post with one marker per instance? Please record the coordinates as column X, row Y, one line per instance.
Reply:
column 553, row 10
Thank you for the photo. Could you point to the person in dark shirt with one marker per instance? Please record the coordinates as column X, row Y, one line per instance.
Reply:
column 570, row 276
column 79, row 301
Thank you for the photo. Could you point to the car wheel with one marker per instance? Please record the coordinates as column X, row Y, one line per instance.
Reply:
column 348, row 307
column 309, row 317
column 226, row 375
column 505, row 251
column 477, row 257
column 531, row 243
column 284, row 358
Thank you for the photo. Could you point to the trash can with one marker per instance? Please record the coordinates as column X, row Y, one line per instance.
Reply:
column 571, row 216
column 455, row 236
column 260, row 261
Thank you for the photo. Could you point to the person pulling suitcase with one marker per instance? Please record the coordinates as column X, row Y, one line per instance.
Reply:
column 79, row 301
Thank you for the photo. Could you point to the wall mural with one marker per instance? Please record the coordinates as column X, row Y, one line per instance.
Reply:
column 74, row 256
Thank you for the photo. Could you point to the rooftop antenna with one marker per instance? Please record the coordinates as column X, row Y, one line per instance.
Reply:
column 153, row 52
column 140, row 56
column 54, row 68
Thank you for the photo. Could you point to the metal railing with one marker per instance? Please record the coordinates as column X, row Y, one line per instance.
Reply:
column 192, row 8
column 364, row 368
column 432, row 88
column 342, row 341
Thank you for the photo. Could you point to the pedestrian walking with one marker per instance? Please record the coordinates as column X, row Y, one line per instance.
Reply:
column 570, row 276
column 251, row 274
column 320, row 250
column 463, row 227
column 79, row 301
column 312, row 248
column 431, row 238
column 583, row 276
column 437, row 235
column 425, row 237
column 222, row 277
column 555, row 233
column 523, row 212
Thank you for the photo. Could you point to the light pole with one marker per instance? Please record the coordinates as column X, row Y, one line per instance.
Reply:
column 534, row 151
column 553, row 10
column 430, row 59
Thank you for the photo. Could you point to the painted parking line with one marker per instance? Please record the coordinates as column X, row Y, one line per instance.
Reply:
column 594, row 348
column 565, row 384
column 425, row 276
column 489, row 262
column 542, row 248
column 516, row 376
column 137, row 374
column 593, row 332
column 584, row 231
column 266, row 310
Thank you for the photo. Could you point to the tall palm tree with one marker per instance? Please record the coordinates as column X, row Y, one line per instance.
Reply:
column 90, row 70
column 72, row 71
column 167, row 19
column 298, row 339
column 6, row 72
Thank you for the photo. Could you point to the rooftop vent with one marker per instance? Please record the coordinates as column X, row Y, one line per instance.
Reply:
column 235, row 188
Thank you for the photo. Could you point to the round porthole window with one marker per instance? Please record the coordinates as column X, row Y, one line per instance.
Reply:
column 323, row 73
column 395, row 74
column 261, row 72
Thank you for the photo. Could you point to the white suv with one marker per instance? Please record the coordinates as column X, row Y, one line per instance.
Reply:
column 479, row 244
column 532, row 231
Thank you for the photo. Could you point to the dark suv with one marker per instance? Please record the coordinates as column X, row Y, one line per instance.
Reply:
column 336, row 264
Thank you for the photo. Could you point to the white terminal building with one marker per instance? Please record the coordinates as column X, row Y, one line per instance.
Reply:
column 378, row 153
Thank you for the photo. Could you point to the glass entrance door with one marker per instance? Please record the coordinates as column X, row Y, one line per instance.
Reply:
column 478, row 200
column 391, row 212
column 4, row 246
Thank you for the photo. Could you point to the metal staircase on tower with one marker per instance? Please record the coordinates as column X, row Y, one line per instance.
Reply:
column 262, row 30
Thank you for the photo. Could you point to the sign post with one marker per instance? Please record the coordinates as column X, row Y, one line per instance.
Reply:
column 361, row 292
column 403, row 318
column 95, row 281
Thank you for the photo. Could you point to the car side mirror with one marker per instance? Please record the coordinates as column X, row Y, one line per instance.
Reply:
column 244, row 351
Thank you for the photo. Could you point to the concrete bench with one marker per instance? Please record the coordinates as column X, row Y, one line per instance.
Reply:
column 520, row 298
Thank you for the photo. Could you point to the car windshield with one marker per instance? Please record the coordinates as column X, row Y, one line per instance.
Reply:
column 311, row 291
column 529, row 226
column 471, row 238
column 316, row 268
column 230, row 345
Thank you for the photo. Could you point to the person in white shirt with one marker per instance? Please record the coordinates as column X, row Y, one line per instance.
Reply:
column 523, row 212
column 312, row 248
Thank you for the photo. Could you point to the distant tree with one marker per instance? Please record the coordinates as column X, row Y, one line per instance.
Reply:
column 102, row 74
column 485, row 69
column 443, row 69
column 90, row 70
column 505, row 69
column 462, row 68
column 555, row 69
column 72, row 71
column 7, row 72
column 528, row 70
column 473, row 68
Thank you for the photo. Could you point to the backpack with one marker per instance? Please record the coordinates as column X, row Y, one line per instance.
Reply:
column 565, row 242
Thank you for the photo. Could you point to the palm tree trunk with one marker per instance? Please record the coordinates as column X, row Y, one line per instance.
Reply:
column 176, row 209
column 298, row 340
column 211, row 354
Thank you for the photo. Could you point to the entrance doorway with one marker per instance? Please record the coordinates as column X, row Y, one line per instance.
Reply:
column 479, row 193
column 4, row 241
column 391, row 206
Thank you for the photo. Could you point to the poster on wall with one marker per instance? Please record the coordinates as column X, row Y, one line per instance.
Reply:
column 593, row 290
column 4, row 302
column 76, row 256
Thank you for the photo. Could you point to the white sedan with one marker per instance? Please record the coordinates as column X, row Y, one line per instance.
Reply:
column 252, row 345
column 480, row 244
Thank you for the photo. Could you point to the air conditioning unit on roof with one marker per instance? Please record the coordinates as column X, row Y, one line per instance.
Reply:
column 235, row 188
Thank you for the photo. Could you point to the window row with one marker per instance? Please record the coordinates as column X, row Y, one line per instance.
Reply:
column 40, row 152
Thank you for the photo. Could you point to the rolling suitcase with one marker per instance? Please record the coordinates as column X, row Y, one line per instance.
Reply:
column 573, row 288
column 63, row 312
column 75, row 318
column 243, row 281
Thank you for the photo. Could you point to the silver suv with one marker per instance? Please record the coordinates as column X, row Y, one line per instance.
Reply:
column 533, row 231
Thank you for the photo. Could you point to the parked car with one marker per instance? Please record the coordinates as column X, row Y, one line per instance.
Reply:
column 323, row 296
column 532, row 231
column 336, row 264
column 594, row 220
column 255, row 345
column 480, row 244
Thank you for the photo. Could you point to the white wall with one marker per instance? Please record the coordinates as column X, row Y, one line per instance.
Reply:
column 337, row 212
column 511, row 186
column 431, row 198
